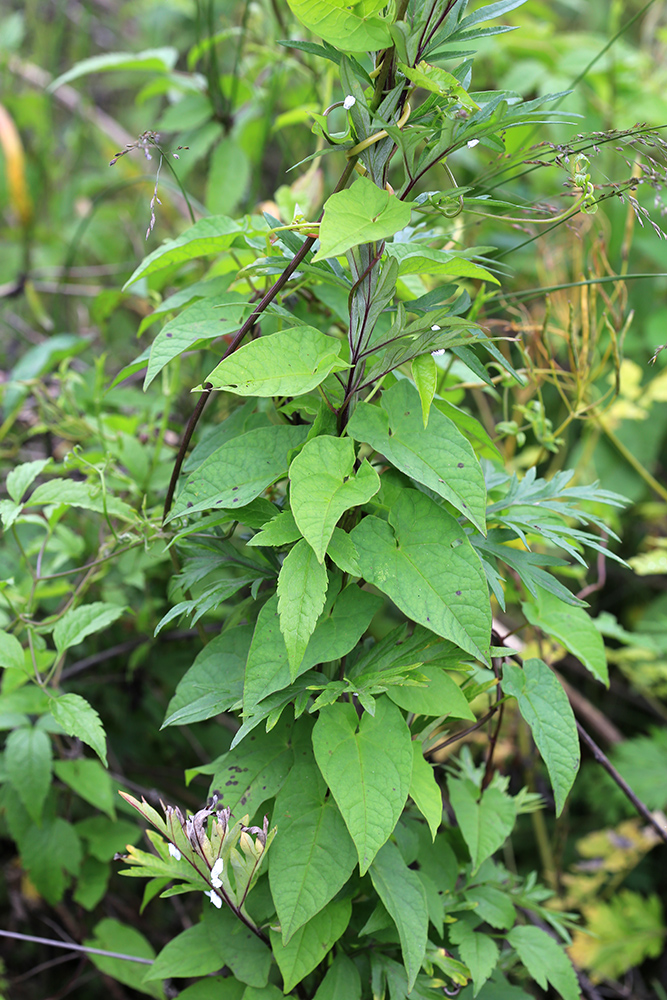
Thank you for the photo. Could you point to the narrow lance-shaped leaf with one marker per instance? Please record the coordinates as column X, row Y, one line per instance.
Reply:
column 404, row 898
column 205, row 238
column 324, row 487
column 571, row 626
column 302, row 591
column 313, row 855
column 547, row 710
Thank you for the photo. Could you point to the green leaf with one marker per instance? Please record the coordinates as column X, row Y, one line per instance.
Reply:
column 425, row 790
column 324, row 487
column 342, row 550
column 485, row 824
column 89, row 780
column 28, row 766
column 422, row 560
column 22, row 476
column 425, row 374
column 438, row 456
column 206, row 238
column 493, row 906
column 311, row 943
column 205, row 320
column 239, row 470
column 363, row 213
column 367, row 763
column 417, row 258
column 220, row 939
column 547, row 710
column 441, row 696
column 545, row 960
column 349, row 26
column 282, row 364
column 302, row 591
column 92, row 883
column 78, row 494
column 226, row 988
column 80, row 622
column 479, row 952
column 11, row 652
column 150, row 60
column 440, row 82
column 267, row 669
column 49, row 852
column 282, row 530
column 80, row 719
column 573, row 627
column 228, row 174
column 312, row 856
column 214, row 682
column 403, row 896
column 253, row 772
column 342, row 981
column 111, row 935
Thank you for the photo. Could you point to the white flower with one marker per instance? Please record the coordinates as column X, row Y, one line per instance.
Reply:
column 349, row 102
column 215, row 899
column 436, row 354
column 216, row 872
column 436, row 327
column 175, row 853
column 472, row 143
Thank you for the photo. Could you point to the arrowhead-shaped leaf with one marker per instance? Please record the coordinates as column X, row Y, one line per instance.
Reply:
column 324, row 487
column 311, row 943
column 363, row 213
column 349, row 26
column 485, row 822
column 367, row 764
column 267, row 669
column 437, row 456
column 422, row 559
column 239, row 470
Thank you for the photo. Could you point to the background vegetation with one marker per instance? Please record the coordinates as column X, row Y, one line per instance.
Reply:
column 582, row 301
